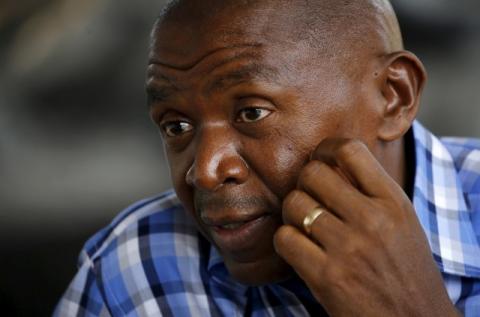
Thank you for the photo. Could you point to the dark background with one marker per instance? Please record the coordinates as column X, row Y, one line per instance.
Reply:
column 76, row 144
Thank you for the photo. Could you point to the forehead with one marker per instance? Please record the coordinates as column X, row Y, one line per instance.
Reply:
column 236, row 43
column 216, row 72
column 192, row 31
column 190, row 42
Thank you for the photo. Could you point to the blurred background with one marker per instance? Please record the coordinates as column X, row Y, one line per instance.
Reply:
column 76, row 144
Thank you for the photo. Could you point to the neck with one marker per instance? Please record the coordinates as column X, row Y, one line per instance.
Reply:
column 398, row 159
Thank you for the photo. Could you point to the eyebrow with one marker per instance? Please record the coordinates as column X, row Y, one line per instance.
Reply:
column 246, row 73
column 158, row 92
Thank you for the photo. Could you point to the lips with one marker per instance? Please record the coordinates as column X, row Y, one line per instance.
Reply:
column 241, row 235
column 231, row 226
column 230, row 221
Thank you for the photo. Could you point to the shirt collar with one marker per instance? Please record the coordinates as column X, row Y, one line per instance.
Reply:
column 219, row 273
column 441, row 208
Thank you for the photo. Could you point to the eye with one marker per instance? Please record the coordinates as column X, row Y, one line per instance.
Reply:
column 252, row 114
column 176, row 128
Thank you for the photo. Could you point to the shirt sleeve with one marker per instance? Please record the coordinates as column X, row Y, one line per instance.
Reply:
column 83, row 297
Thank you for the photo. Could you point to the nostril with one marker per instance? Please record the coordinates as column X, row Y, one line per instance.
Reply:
column 230, row 180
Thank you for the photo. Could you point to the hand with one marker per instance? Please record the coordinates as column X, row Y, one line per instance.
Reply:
column 367, row 255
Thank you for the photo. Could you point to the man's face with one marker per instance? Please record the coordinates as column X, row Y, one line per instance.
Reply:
column 241, row 106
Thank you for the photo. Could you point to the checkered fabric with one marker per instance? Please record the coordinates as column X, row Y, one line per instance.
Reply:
column 151, row 260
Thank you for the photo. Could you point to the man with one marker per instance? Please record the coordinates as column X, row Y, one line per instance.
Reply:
column 288, row 130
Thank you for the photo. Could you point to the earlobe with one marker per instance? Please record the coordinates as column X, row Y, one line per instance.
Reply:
column 402, row 84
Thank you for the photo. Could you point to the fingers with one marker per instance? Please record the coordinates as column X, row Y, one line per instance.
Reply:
column 355, row 159
column 301, row 253
column 326, row 229
column 326, row 186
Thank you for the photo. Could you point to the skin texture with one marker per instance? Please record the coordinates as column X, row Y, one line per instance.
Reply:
column 270, row 108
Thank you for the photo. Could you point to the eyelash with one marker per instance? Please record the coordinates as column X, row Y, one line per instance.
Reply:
column 168, row 124
column 262, row 115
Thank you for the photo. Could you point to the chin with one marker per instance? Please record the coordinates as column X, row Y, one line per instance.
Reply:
column 260, row 272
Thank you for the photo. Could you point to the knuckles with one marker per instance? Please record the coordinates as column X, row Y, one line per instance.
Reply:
column 349, row 148
column 355, row 248
column 291, row 203
column 381, row 218
column 328, row 155
column 292, row 200
column 377, row 224
column 311, row 172
column 375, row 220
column 282, row 239
column 341, row 149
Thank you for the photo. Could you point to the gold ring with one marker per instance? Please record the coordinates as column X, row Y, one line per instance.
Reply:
column 311, row 217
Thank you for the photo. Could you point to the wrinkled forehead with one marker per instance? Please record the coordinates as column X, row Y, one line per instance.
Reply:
column 191, row 28
column 188, row 33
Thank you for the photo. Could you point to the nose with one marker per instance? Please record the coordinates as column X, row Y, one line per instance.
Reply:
column 217, row 162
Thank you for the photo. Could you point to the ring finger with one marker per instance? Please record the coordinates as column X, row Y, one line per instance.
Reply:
column 326, row 229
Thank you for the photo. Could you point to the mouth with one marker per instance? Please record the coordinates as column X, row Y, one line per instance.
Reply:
column 232, row 222
column 233, row 226
column 242, row 236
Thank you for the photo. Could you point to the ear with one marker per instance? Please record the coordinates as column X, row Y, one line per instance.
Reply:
column 403, row 79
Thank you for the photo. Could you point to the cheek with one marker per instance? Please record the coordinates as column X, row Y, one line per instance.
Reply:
column 280, row 164
column 288, row 150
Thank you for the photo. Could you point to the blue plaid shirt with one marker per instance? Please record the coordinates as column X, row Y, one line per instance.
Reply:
column 151, row 260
